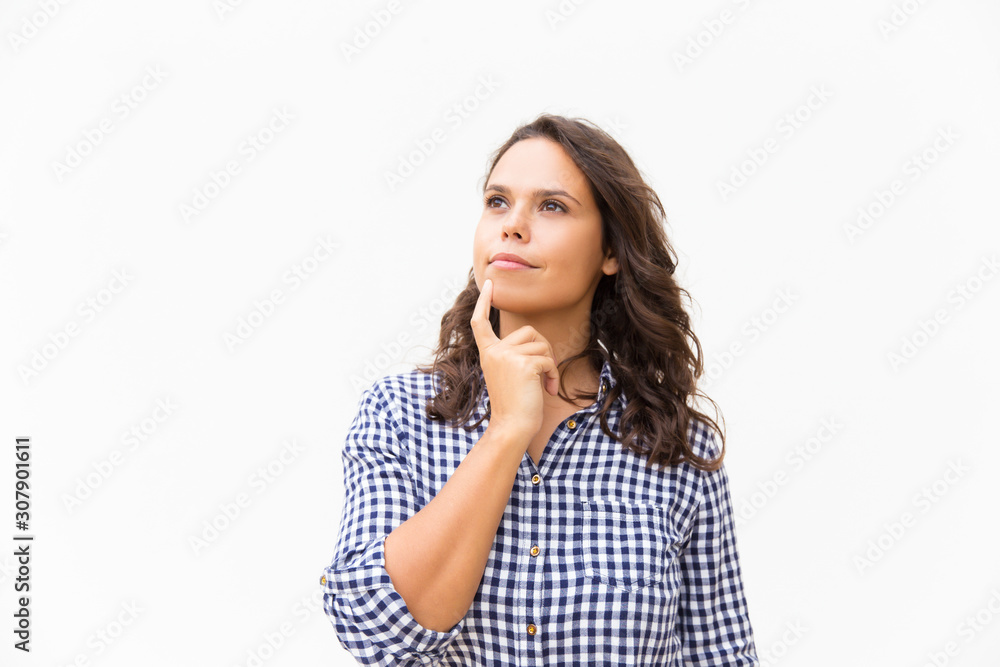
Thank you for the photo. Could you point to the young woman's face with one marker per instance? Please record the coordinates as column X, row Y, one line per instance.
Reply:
column 539, row 207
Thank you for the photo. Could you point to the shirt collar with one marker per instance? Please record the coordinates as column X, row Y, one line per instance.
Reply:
column 607, row 381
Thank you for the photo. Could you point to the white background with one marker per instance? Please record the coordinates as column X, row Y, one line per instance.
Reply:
column 844, row 561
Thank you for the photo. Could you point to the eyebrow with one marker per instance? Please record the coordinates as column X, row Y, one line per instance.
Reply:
column 534, row 193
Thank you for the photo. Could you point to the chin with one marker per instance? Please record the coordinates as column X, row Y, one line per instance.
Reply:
column 519, row 306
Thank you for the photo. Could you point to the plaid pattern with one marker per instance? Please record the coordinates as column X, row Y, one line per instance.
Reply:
column 635, row 566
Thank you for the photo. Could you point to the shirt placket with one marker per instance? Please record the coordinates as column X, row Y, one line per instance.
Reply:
column 533, row 584
column 531, row 573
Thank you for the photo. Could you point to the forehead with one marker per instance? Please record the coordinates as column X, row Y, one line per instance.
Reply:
column 539, row 163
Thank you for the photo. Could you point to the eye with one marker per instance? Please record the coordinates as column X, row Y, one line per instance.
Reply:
column 489, row 199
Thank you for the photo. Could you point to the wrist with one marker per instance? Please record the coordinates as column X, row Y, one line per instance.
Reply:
column 509, row 433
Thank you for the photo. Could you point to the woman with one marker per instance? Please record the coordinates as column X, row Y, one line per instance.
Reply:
column 543, row 493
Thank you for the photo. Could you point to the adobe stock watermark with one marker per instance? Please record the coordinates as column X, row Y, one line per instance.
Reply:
column 786, row 126
column 561, row 12
column 304, row 609
column 104, row 637
column 928, row 328
column 231, row 510
column 41, row 357
column 913, row 168
column 971, row 626
column 899, row 16
column 8, row 568
column 121, row 108
column 365, row 34
column 777, row 651
column 392, row 351
column 33, row 23
column 923, row 501
column 795, row 460
column 615, row 127
column 131, row 440
column 294, row 277
column 710, row 31
column 220, row 179
column 225, row 7
column 751, row 331
column 454, row 116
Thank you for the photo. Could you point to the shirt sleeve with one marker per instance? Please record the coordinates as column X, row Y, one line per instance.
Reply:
column 713, row 618
column 369, row 616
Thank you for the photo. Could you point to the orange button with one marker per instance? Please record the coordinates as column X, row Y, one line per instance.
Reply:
column 571, row 424
column 322, row 580
column 535, row 550
column 536, row 480
column 532, row 629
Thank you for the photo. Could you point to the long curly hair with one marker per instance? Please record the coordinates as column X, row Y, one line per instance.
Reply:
column 637, row 321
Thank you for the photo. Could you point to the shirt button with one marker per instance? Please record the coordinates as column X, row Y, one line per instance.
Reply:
column 535, row 550
column 532, row 629
column 536, row 480
column 604, row 387
column 322, row 580
column 571, row 424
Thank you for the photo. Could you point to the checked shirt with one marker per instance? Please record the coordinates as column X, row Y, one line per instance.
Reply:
column 597, row 560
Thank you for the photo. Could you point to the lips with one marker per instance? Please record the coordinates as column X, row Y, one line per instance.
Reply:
column 510, row 257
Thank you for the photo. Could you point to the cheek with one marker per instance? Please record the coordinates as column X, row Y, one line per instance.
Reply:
column 572, row 251
column 478, row 246
column 577, row 259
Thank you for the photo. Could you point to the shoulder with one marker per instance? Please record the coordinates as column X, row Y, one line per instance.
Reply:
column 404, row 392
column 391, row 411
column 703, row 439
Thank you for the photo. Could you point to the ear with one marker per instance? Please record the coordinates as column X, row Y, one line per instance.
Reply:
column 610, row 266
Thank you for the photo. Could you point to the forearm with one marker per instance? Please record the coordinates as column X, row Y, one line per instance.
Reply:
column 437, row 557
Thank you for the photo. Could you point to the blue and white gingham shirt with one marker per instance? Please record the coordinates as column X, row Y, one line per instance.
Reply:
column 633, row 566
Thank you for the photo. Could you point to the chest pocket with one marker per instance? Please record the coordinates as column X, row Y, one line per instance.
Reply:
column 626, row 545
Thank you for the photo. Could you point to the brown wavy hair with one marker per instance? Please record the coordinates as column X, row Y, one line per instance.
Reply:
column 637, row 321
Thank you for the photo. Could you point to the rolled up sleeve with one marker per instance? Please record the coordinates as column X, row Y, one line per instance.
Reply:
column 370, row 618
column 713, row 619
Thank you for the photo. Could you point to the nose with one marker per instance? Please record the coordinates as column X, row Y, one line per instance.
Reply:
column 515, row 224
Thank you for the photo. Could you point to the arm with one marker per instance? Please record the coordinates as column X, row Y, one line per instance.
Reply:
column 436, row 559
column 713, row 618
column 374, row 622
column 436, row 554
column 370, row 618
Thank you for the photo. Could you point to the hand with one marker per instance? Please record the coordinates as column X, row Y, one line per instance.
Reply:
column 515, row 369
